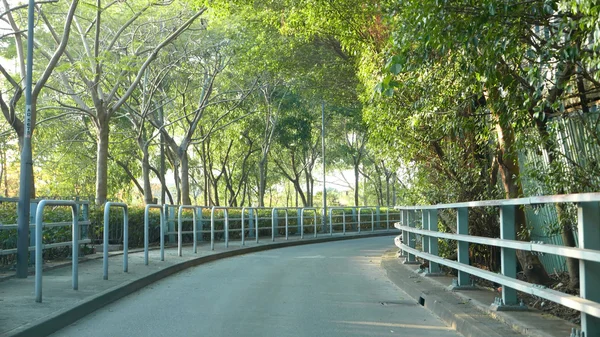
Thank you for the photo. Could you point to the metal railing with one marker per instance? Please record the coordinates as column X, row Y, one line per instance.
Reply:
column 310, row 209
column 39, row 227
column 180, row 229
column 275, row 222
column 588, row 252
column 331, row 210
column 146, row 230
column 257, row 217
column 212, row 226
column 250, row 213
column 372, row 218
column 107, row 207
column 83, row 210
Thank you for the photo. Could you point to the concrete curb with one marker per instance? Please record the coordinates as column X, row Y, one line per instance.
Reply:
column 462, row 316
column 63, row 318
column 466, row 312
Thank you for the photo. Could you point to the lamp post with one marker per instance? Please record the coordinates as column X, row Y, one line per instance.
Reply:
column 324, row 222
column 26, row 161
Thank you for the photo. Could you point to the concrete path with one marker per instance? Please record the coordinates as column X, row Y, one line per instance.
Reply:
column 338, row 288
column 333, row 289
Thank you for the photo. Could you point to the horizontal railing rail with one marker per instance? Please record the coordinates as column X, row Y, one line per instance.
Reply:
column 588, row 251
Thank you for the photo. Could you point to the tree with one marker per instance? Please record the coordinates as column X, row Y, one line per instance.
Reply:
column 53, row 55
column 94, row 71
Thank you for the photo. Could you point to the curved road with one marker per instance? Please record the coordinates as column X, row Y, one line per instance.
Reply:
column 331, row 289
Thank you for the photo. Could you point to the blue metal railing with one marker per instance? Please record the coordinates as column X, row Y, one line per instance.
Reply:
column 588, row 252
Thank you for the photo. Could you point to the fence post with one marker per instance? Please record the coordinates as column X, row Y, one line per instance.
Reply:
column 404, row 222
column 354, row 219
column 85, row 211
column 588, row 217
column 299, row 217
column 411, row 236
column 32, row 211
column 275, row 224
column 251, row 227
column 434, row 267
column 378, row 216
column 462, row 227
column 425, row 226
column 171, row 222
column 508, row 255
column 200, row 224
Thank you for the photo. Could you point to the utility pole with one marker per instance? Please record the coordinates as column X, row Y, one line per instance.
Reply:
column 26, row 161
column 324, row 222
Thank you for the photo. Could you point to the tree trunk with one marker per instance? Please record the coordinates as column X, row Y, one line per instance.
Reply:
column 509, row 171
column 262, row 181
column 146, row 175
column 102, row 133
column 356, row 183
column 185, row 179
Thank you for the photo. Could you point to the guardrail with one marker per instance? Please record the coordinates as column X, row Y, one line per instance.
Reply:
column 180, row 230
column 146, row 229
column 331, row 210
column 212, row 226
column 310, row 209
column 250, row 213
column 588, row 252
column 107, row 207
column 372, row 218
column 275, row 222
column 83, row 224
column 39, row 227
column 254, row 225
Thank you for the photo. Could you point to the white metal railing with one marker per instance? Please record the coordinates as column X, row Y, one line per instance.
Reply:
column 588, row 252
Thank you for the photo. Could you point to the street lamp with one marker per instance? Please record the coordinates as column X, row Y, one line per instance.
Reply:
column 324, row 222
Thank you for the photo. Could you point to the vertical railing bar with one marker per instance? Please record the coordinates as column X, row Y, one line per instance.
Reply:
column 107, row 208
column 286, row 224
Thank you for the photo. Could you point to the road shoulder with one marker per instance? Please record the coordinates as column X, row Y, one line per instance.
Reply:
column 468, row 311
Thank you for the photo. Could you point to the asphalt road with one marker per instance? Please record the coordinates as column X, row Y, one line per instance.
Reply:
column 331, row 289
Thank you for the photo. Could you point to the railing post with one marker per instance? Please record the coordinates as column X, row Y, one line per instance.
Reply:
column 462, row 227
column 163, row 225
column 274, row 223
column 32, row 211
column 85, row 211
column 387, row 218
column 354, row 219
column 378, row 216
column 434, row 268
column 298, row 217
column 425, row 226
column 200, row 224
column 287, row 235
column 410, row 239
column 251, row 228
column 588, row 218
column 404, row 222
column 508, row 255
column 171, row 223
column 226, row 227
